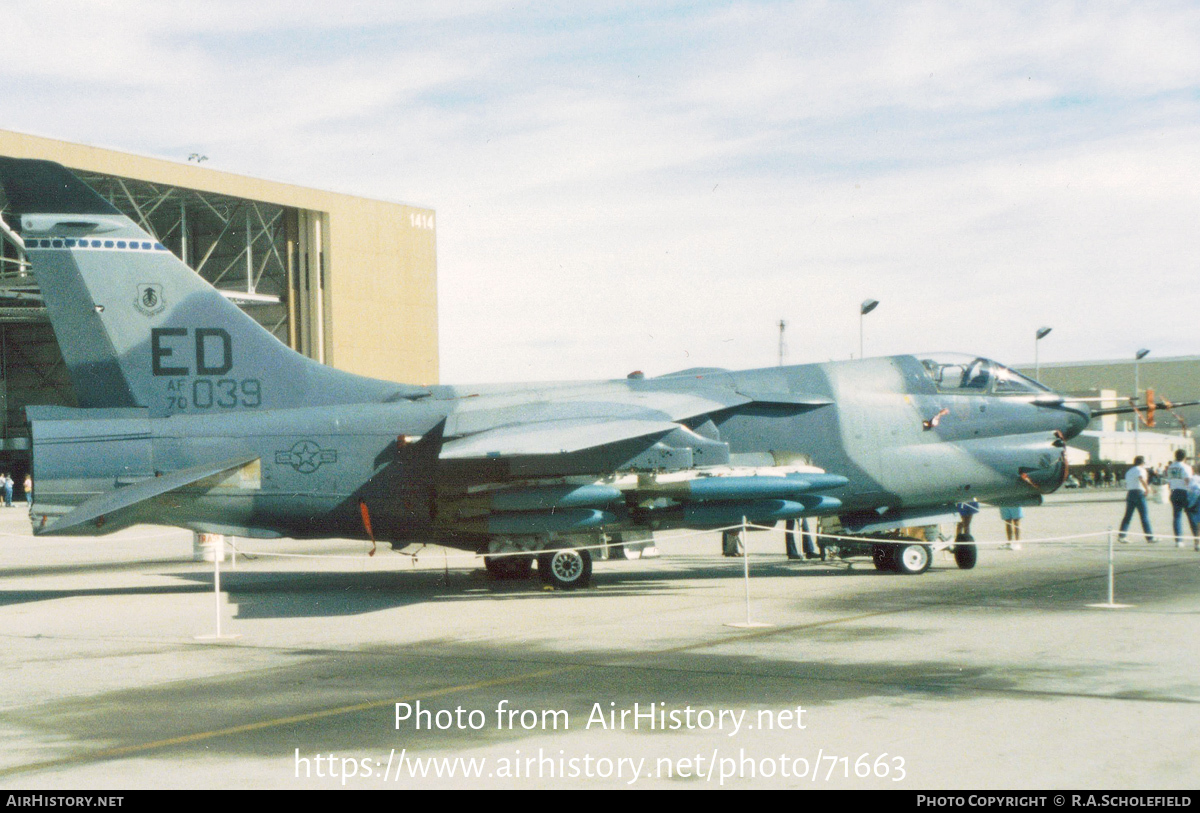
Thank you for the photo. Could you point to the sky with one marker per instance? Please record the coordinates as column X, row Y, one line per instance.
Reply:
column 652, row 186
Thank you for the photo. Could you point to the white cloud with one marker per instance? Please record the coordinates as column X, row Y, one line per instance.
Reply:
column 653, row 187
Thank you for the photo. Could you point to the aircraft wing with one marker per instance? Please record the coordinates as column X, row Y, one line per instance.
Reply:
column 552, row 437
column 112, row 506
column 571, row 424
column 701, row 401
column 784, row 398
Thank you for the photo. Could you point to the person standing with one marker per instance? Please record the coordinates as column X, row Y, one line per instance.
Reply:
column 28, row 486
column 1179, row 474
column 806, row 540
column 1136, row 485
column 1012, row 525
column 1193, row 509
column 8, row 487
column 966, row 512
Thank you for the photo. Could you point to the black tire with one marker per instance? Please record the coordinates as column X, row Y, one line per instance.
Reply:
column 966, row 553
column 884, row 558
column 508, row 568
column 566, row 569
column 913, row 559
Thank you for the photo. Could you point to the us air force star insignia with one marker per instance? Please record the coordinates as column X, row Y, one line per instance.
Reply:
column 150, row 300
column 306, row 456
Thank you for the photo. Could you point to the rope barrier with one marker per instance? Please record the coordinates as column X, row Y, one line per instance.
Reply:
column 1059, row 542
column 1136, row 537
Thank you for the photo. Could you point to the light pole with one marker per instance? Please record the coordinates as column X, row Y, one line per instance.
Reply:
column 1042, row 333
column 1141, row 354
column 867, row 306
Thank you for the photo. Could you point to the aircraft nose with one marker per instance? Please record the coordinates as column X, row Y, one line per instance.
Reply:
column 1078, row 417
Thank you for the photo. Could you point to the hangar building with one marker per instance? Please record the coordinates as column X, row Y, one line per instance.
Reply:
column 348, row 281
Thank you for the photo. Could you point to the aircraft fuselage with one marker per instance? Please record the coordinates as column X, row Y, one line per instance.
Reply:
column 881, row 423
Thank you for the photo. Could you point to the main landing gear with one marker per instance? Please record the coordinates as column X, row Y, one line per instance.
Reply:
column 901, row 558
column 565, row 568
column 915, row 558
column 508, row 568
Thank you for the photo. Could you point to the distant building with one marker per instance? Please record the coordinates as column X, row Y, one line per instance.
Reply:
column 345, row 280
column 1111, row 438
column 1121, row 447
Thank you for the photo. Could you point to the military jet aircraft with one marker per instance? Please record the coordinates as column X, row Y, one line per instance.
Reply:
column 190, row 414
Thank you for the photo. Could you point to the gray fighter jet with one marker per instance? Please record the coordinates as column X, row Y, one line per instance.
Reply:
column 192, row 415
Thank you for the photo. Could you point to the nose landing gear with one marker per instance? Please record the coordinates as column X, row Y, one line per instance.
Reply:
column 966, row 553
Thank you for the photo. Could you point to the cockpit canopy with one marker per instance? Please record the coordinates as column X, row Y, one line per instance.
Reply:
column 955, row 373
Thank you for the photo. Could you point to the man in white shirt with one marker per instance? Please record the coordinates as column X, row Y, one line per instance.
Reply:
column 1178, row 475
column 1136, row 486
column 1193, row 509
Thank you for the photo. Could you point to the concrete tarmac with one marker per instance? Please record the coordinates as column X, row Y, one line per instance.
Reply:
column 1001, row 677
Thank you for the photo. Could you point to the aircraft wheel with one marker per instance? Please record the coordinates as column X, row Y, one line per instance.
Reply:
column 913, row 559
column 883, row 556
column 965, row 555
column 566, row 569
column 508, row 568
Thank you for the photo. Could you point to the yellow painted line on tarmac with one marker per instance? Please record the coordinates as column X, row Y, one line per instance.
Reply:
column 126, row 750
column 200, row 736
column 277, row 722
column 764, row 632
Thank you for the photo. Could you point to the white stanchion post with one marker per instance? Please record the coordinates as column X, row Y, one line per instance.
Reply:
column 1111, row 604
column 218, row 555
column 746, row 568
column 746, row 578
column 1111, row 574
column 218, row 551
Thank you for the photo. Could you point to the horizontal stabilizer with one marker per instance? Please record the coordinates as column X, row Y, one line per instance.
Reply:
column 104, row 506
column 551, row 437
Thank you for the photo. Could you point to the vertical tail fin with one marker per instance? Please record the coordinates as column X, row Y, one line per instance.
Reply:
column 138, row 328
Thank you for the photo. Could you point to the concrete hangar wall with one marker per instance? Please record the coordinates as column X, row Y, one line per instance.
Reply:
column 348, row 281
